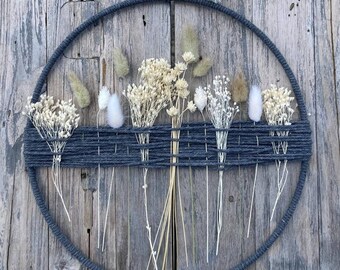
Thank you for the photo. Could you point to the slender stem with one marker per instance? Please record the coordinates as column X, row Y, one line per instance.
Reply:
column 182, row 218
column 107, row 208
column 98, row 188
column 56, row 181
column 148, row 227
column 252, row 199
column 220, row 208
column 253, row 192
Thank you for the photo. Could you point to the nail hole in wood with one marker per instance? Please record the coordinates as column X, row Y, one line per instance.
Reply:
column 83, row 175
column 231, row 199
column 144, row 22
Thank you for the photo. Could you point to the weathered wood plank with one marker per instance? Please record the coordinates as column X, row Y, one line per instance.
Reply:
column 22, row 43
column 327, row 131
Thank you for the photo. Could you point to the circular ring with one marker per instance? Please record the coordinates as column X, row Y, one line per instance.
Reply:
column 66, row 242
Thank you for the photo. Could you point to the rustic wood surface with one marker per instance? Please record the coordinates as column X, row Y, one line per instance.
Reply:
column 307, row 35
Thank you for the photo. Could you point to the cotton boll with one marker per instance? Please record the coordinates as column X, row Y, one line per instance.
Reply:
column 115, row 117
column 103, row 98
column 200, row 98
column 255, row 104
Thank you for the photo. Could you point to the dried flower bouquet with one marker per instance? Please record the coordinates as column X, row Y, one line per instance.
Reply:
column 55, row 122
column 278, row 111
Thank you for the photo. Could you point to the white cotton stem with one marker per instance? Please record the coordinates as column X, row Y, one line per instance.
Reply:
column 108, row 208
column 219, row 208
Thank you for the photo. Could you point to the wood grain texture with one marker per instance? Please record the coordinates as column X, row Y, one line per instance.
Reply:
column 306, row 34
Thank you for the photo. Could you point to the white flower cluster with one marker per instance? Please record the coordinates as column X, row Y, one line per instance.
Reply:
column 220, row 107
column 159, row 87
column 277, row 105
column 53, row 119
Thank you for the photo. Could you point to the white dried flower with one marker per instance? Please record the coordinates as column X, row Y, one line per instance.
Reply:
column 220, row 107
column 276, row 105
column 180, row 67
column 103, row 98
column 55, row 121
column 188, row 57
column 200, row 98
column 191, row 106
column 173, row 111
column 221, row 111
column 115, row 116
column 255, row 104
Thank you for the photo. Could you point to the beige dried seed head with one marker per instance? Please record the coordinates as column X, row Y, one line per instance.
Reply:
column 202, row 68
column 239, row 88
column 190, row 41
column 81, row 93
column 120, row 63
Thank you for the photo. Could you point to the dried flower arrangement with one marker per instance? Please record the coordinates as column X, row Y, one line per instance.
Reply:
column 282, row 117
column 278, row 111
column 221, row 111
column 55, row 122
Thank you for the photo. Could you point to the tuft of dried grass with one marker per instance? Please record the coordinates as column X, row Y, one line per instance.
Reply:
column 202, row 68
column 81, row 93
column 239, row 88
column 120, row 63
column 190, row 42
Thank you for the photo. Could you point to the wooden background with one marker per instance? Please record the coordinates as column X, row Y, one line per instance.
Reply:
column 306, row 32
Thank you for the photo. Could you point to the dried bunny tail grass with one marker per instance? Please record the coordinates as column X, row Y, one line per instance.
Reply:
column 80, row 92
column 239, row 88
column 103, row 98
column 255, row 104
column 202, row 68
column 200, row 98
column 115, row 116
column 120, row 62
column 190, row 41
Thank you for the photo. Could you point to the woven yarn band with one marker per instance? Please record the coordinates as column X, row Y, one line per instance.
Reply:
column 65, row 241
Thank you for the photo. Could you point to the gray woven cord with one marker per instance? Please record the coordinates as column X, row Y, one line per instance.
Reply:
column 82, row 147
column 300, row 130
